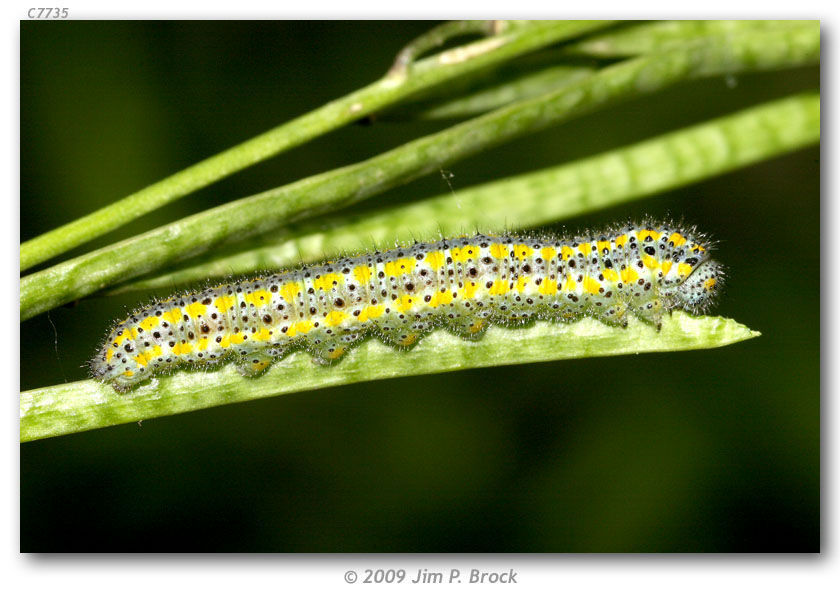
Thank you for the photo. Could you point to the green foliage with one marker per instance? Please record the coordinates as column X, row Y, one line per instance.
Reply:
column 533, row 199
column 89, row 404
column 509, row 42
column 344, row 186
column 522, row 100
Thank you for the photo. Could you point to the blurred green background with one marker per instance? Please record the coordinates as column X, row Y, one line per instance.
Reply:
column 703, row 451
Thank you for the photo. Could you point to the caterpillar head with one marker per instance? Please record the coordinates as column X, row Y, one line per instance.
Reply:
column 697, row 292
column 119, row 361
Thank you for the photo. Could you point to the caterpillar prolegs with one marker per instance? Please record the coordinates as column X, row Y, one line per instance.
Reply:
column 463, row 284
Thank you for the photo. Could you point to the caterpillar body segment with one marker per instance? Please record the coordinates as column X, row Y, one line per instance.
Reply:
column 464, row 284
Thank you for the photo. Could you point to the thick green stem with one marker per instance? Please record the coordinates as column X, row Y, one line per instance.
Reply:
column 530, row 85
column 83, row 405
column 437, row 36
column 655, row 36
column 427, row 73
column 541, row 197
column 328, row 191
column 550, row 69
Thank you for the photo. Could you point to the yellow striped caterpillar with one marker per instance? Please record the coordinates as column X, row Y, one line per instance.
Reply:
column 464, row 284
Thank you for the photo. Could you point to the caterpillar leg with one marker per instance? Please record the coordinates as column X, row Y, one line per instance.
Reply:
column 328, row 353
column 471, row 328
column 278, row 351
column 615, row 315
column 651, row 312
column 401, row 338
column 253, row 363
column 407, row 335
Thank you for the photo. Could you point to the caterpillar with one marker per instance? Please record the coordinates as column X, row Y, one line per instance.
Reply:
column 464, row 284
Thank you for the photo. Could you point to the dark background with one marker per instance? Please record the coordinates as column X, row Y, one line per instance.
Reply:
column 715, row 450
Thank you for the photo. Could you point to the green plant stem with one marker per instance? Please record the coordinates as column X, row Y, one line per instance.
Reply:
column 427, row 73
column 491, row 97
column 85, row 405
column 437, row 36
column 655, row 36
column 338, row 188
column 550, row 69
column 621, row 175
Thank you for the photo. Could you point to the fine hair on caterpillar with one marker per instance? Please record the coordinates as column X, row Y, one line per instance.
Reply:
column 464, row 284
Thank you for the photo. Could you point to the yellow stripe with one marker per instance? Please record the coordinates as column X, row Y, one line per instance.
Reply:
column 591, row 285
column 440, row 298
column 289, row 291
column 498, row 288
column 327, row 281
column 464, row 254
column 182, row 348
column 149, row 323
column 146, row 357
column 196, row 309
column 334, row 318
column 225, row 303
column 261, row 335
column 303, row 326
column 470, row 288
column 173, row 316
column 435, row 259
column 371, row 312
column 127, row 334
column 629, row 275
column 258, row 298
column 404, row 303
column 522, row 251
column 650, row 262
column 498, row 250
column 399, row 267
column 570, row 285
column 548, row 287
column 362, row 274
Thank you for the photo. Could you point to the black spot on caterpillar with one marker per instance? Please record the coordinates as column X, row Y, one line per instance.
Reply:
column 462, row 284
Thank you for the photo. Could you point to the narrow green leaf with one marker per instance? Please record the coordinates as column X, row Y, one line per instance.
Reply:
column 490, row 97
column 338, row 188
column 541, row 197
column 509, row 42
column 655, row 36
column 549, row 70
column 84, row 405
